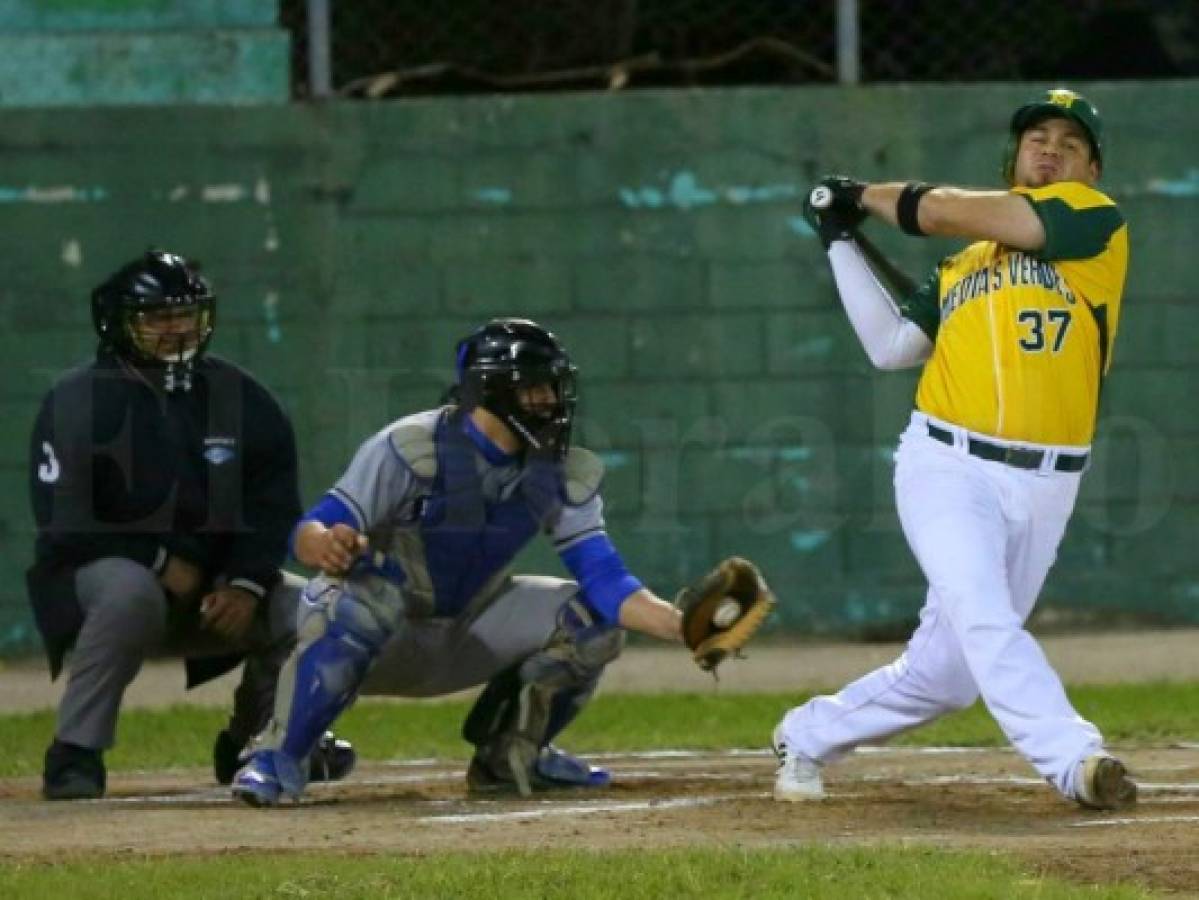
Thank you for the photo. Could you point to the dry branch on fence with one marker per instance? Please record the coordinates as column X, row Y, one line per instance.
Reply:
column 614, row 75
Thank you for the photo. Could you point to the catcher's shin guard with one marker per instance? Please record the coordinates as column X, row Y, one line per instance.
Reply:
column 523, row 708
column 328, row 673
column 340, row 636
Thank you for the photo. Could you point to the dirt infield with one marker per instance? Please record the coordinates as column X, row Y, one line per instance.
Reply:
column 955, row 799
column 987, row 800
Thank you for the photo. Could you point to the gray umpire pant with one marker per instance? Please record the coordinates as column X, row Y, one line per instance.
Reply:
column 128, row 619
column 432, row 657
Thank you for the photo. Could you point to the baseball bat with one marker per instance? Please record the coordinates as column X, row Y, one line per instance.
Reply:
column 822, row 198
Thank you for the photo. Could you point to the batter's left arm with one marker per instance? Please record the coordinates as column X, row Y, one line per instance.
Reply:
column 999, row 216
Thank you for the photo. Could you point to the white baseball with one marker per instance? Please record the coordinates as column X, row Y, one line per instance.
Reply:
column 726, row 612
column 821, row 197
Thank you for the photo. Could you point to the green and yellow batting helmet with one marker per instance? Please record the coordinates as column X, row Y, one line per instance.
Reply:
column 1058, row 102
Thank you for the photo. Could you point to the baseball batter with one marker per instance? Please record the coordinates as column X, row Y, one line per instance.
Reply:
column 1015, row 334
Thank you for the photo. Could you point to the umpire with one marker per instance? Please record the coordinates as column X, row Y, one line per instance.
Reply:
column 164, row 486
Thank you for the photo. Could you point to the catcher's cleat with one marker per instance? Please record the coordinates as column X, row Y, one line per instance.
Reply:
column 554, row 770
column 559, row 769
column 332, row 760
column 258, row 783
column 73, row 773
column 797, row 777
column 1104, row 783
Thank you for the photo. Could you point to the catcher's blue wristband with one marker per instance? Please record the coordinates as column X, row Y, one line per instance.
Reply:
column 604, row 581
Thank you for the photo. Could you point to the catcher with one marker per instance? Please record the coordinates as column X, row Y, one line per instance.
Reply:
column 415, row 600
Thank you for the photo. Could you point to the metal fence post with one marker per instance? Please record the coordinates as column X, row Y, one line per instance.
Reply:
column 848, row 43
column 320, row 76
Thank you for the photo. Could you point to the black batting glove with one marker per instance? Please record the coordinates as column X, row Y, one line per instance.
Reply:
column 833, row 208
column 830, row 224
column 846, row 194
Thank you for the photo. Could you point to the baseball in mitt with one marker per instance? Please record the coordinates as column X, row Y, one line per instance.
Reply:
column 722, row 610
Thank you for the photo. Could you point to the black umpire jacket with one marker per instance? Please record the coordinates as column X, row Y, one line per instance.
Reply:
column 121, row 468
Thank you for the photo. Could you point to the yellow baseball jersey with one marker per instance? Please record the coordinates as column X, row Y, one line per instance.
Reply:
column 1023, row 340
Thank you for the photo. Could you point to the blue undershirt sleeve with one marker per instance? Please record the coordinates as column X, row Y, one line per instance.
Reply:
column 604, row 582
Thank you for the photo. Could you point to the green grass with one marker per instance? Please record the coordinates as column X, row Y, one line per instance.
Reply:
column 791, row 872
column 182, row 736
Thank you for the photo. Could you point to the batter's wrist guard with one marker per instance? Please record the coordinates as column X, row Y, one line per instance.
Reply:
column 907, row 208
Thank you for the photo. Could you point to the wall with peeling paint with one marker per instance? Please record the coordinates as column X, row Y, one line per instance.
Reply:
column 659, row 234
column 137, row 52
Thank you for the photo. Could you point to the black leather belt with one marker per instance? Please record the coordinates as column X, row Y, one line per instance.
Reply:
column 1020, row 457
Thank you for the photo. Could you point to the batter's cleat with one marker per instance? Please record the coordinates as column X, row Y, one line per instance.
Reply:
column 73, row 773
column 798, row 777
column 332, row 760
column 1104, row 783
column 553, row 770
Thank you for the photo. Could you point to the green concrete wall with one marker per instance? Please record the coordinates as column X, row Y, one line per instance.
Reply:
column 142, row 52
column 659, row 234
column 141, row 15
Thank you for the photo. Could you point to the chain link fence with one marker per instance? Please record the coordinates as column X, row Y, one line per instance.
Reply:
column 382, row 48
column 1027, row 40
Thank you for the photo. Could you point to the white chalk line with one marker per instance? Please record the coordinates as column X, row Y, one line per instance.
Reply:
column 750, row 752
column 1187, row 790
column 921, row 781
column 1138, row 820
column 741, row 752
column 1159, row 793
column 583, row 809
column 1174, row 787
column 215, row 796
column 221, row 795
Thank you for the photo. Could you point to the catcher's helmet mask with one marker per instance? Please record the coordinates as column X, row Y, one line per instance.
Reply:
column 502, row 360
column 131, row 307
column 1055, row 103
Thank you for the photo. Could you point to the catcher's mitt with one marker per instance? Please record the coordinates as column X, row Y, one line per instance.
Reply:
column 722, row 610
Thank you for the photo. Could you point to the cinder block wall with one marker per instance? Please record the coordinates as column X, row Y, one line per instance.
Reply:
column 659, row 234
column 138, row 52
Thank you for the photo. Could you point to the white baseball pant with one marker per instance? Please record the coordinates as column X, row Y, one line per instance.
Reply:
column 985, row 534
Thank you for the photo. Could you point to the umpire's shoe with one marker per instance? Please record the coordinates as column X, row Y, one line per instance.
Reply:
column 332, row 760
column 73, row 773
column 1103, row 783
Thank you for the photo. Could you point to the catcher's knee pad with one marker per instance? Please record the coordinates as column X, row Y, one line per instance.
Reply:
column 360, row 608
column 339, row 637
column 535, row 699
column 576, row 652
